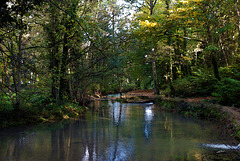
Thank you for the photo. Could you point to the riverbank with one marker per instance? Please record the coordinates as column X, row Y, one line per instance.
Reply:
column 227, row 117
column 201, row 107
column 50, row 113
column 141, row 131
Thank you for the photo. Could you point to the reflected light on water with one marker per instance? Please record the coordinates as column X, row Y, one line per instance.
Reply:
column 121, row 150
column 148, row 116
column 117, row 112
column 87, row 156
column 222, row 146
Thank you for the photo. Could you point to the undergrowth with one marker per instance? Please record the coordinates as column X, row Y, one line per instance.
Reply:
column 228, row 92
column 199, row 84
column 37, row 108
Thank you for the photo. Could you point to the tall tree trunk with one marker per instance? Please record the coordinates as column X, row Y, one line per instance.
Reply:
column 52, row 32
column 15, row 84
column 63, row 83
column 169, row 41
column 223, row 50
column 213, row 53
column 154, row 68
column 54, row 67
column 19, row 61
column 152, row 4
column 186, row 66
column 238, row 16
column 85, row 92
column 8, row 83
column 213, row 56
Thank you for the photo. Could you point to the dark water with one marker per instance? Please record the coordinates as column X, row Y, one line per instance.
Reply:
column 114, row 131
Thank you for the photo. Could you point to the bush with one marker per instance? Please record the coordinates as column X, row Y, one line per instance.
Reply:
column 184, row 87
column 199, row 85
column 228, row 92
column 232, row 72
column 5, row 102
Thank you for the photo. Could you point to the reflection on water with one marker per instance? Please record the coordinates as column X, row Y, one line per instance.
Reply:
column 115, row 95
column 222, row 146
column 113, row 131
column 116, row 111
column 148, row 116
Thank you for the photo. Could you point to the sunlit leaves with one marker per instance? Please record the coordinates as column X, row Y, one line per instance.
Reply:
column 148, row 24
column 185, row 12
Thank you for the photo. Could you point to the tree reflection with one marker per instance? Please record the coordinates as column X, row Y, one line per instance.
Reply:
column 117, row 115
column 120, row 149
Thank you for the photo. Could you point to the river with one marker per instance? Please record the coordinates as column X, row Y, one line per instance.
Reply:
column 115, row 131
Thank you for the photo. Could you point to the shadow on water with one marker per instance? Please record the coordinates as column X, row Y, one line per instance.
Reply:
column 115, row 131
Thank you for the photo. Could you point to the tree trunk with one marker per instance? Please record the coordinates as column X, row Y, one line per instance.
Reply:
column 7, row 78
column 223, row 50
column 63, row 84
column 238, row 16
column 85, row 92
column 19, row 61
column 70, row 84
column 54, row 59
column 213, row 52
column 13, row 62
column 55, row 73
column 213, row 56
column 154, row 68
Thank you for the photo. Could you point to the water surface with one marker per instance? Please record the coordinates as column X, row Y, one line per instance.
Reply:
column 114, row 131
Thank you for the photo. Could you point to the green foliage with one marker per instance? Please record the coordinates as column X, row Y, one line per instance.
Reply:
column 158, row 100
column 228, row 92
column 199, row 85
column 36, row 106
column 54, row 111
column 35, row 98
column 189, row 109
column 166, row 104
column 30, row 114
column 5, row 102
column 232, row 72
column 200, row 111
column 212, row 47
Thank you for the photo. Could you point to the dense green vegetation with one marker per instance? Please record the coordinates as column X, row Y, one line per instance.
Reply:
column 54, row 54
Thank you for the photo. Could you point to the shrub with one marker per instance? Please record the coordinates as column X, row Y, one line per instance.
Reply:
column 232, row 72
column 198, row 85
column 228, row 92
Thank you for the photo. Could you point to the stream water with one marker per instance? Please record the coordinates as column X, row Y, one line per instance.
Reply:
column 115, row 131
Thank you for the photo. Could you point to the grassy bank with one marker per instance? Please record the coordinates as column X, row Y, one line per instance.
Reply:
column 205, row 110
column 32, row 115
